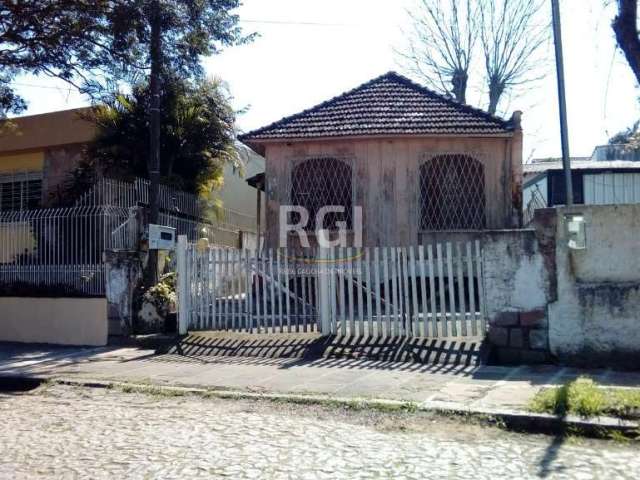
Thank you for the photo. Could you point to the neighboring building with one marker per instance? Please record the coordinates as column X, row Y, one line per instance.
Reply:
column 418, row 163
column 38, row 152
column 595, row 181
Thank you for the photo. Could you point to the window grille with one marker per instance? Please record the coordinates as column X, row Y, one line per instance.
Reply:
column 20, row 192
column 452, row 195
column 319, row 182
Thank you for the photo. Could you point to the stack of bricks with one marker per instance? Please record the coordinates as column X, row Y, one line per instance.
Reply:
column 520, row 337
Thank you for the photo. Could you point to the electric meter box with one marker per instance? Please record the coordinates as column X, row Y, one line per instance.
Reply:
column 161, row 237
column 576, row 231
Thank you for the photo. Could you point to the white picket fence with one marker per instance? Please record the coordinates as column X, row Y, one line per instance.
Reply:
column 424, row 291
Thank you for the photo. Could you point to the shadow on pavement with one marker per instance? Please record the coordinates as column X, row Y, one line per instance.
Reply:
column 290, row 350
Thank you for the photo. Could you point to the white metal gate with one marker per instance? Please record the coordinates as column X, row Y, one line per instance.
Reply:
column 425, row 291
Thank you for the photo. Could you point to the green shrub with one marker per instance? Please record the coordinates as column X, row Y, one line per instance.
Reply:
column 585, row 398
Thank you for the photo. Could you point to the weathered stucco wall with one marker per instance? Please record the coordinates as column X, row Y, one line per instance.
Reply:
column 596, row 319
column 61, row 321
column 123, row 275
column 518, row 288
column 386, row 180
column 58, row 163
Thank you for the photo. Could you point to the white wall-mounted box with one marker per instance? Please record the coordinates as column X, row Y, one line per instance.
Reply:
column 161, row 237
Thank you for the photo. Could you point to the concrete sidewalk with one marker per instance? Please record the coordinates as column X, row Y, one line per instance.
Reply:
column 468, row 388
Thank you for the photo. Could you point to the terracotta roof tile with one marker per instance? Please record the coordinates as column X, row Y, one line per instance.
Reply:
column 387, row 105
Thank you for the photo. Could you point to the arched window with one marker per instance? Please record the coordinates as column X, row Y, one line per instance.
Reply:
column 452, row 193
column 319, row 182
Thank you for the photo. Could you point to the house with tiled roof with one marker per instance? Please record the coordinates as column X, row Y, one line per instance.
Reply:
column 417, row 163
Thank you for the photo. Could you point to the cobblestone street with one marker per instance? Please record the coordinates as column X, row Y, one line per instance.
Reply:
column 67, row 432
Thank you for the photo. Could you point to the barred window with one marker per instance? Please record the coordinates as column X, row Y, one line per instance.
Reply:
column 319, row 182
column 20, row 192
column 452, row 193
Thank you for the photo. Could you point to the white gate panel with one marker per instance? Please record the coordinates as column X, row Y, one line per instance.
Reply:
column 425, row 291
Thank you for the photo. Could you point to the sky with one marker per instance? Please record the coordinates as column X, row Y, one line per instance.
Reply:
column 311, row 50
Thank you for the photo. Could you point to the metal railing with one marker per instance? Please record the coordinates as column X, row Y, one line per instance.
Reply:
column 173, row 202
column 61, row 246
column 537, row 201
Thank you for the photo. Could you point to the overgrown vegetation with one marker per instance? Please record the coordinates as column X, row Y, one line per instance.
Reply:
column 162, row 299
column 163, row 294
column 93, row 45
column 196, row 140
column 584, row 397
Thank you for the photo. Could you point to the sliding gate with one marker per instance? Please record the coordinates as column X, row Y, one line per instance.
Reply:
column 425, row 291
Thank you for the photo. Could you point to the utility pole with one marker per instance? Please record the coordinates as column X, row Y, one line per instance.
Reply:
column 562, row 102
column 151, row 277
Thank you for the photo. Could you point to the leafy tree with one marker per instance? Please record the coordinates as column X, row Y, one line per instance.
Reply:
column 197, row 137
column 94, row 44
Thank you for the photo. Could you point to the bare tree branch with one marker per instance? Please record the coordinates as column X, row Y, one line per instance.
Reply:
column 441, row 44
column 512, row 33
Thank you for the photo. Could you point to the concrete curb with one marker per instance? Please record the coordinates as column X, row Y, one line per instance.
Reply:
column 600, row 427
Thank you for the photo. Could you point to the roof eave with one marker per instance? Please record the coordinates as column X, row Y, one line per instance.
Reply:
column 262, row 141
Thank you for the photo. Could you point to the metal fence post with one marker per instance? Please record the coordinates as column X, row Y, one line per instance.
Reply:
column 183, row 285
column 324, row 276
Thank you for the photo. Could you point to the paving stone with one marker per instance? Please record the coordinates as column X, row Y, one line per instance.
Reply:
column 499, row 336
column 516, row 338
column 534, row 356
column 506, row 319
column 533, row 318
column 66, row 432
column 539, row 339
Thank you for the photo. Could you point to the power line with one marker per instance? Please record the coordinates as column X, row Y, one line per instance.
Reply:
column 292, row 22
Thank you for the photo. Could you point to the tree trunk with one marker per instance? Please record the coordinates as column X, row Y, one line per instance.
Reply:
column 625, row 26
column 151, row 274
column 496, row 90
column 459, row 83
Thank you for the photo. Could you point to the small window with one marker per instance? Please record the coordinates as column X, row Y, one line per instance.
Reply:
column 452, row 195
column 20, row 194
column 320, row 182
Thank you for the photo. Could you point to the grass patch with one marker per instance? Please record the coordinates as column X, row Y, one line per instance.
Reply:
column 353, row 405
column 148, row 390
column 584, row 397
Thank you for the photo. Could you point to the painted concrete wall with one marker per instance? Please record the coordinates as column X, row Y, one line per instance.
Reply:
column 32, row 161
column 596, row 319
column 61, row 321
column 386, row 180
column 236, row 193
